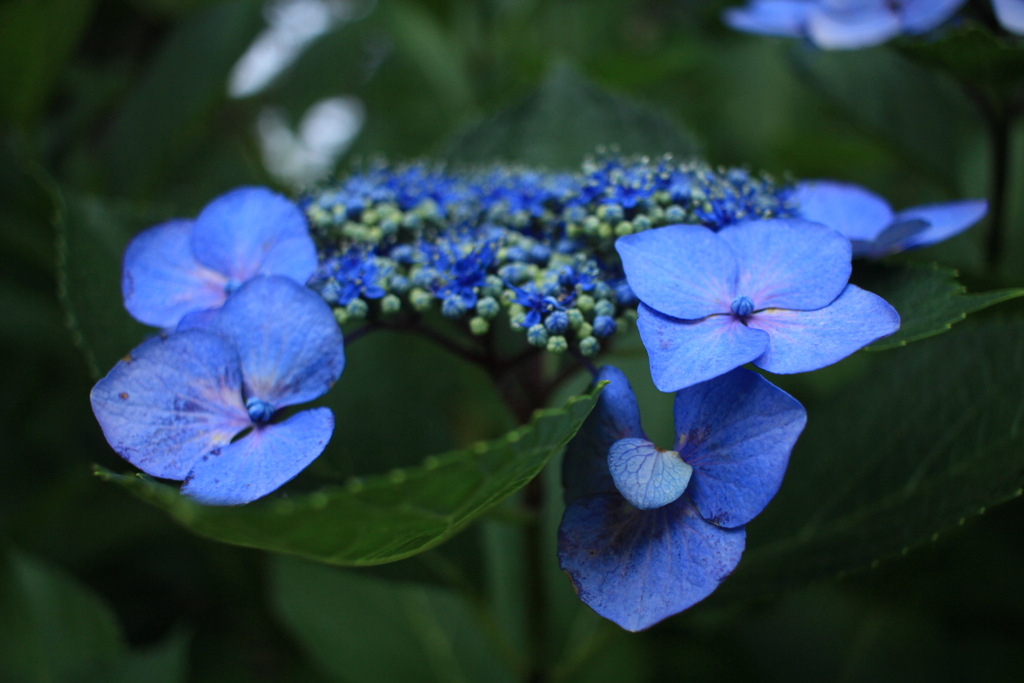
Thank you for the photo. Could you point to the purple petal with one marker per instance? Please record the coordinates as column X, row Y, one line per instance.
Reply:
column 261, row 461
column 789, row 263
column 637, row 567
column 162, row 281
column 921, row 16
column 616, row 416
column 1010, row 14
column 685, row 271
column 737, row 432
column 287, row 338
column 945, row 221
column 869, row 23
column 807, row 340
column 855, row 212
column 645, row 475
column 237, row 234
column 683, row 353
column 170, row 401
column 770, row 17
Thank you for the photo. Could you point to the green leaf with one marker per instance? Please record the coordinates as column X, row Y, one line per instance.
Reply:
column 171, row 107
column 54, row 628
column 381, row 518
column 975, row 56
column 91, row 237
column 563, row 121
column 927, row 296
column 36, row 39
column 165, row 662
column 365, row 630
column 928, row 438
column 897, row 101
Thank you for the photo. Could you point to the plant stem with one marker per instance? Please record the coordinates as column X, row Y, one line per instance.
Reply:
column 536, row 616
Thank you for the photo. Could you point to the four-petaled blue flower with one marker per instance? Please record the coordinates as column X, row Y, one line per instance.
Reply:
column 771, row 292
column 183, row 266
column 647, row 533
column 870, row 224
column 175, row 405
column 538, row 302
column 853, row 24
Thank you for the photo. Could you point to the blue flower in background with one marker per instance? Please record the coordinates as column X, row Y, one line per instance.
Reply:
column 538, row 302
column 853, row 24
column 182, row 266
column 771, row 292
column 647, row 533
column 354, row 274
column 872, row 226
column 175, row 404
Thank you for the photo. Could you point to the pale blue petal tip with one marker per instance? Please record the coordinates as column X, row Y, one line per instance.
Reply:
column 646, row 476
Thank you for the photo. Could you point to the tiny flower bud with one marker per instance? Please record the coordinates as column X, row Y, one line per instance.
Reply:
column 390, row 304
column 557, row 344
column 478, row 325
column 589, row 346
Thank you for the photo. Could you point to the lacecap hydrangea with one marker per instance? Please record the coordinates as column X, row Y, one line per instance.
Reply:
column 725, row 267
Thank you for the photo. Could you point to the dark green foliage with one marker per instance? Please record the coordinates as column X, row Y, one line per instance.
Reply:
column 564, row 120
column 928, row 437
column 380, row 519
column 927, row 296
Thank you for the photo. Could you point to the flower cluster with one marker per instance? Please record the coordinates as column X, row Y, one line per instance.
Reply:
column 854, row 24
column 718, row 268
column 538, row 245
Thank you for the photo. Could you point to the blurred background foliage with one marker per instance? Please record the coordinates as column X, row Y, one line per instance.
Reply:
column 117, row 113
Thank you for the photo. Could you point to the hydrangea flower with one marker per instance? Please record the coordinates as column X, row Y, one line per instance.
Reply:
column 174, row 406
column 771, row 292
column 185, row 266
column 872, row 226
column 646, row 532
column 853, row 24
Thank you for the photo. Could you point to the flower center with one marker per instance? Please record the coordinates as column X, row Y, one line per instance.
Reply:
column 742, row 306
column 231, row 286
column 259, row 410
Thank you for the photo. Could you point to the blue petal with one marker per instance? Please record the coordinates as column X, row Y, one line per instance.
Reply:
column 770, row 17
column 683, row 353
column 261, row 461
column 855, row 212
column 645, row 475
column 239, row 232
column 170, row 401
column 1010, row 14
column 737, row 432
column 685, row 271
column 287, row 338
column 789, row 263
column 637, row 567
column 162, row 281
column 945, row 221
column 921, row 16
column 616, row 416
column 870, row 22
column 807, row 340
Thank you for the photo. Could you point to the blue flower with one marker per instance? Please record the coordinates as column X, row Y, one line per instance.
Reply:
column 461, row 264
column 356, row 273
column 538, row 302
column 647, row 533
column 853, row 24
column 183, row 266
column 771, row 292
column 870, row 224
column 175, row 405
